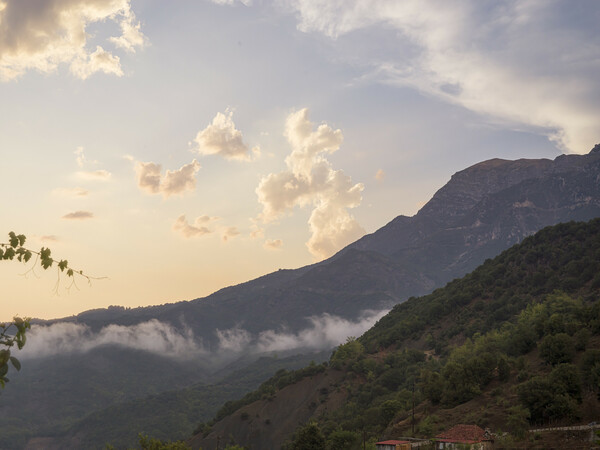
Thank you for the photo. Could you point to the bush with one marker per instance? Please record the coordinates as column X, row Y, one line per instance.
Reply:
column 557, row 349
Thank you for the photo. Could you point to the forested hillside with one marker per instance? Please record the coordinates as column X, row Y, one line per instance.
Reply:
column 514, row 343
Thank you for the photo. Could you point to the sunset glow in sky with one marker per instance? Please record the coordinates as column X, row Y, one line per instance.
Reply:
column 177, row 147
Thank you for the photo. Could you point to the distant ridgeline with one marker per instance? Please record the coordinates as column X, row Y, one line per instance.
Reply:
column 516, row 342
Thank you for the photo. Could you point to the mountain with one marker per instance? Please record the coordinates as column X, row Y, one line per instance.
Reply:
column 481, row 211
column 516, row 340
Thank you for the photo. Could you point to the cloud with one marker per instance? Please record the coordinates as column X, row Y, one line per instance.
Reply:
column 325, row 332
column 173, row 182
column 311, row 181
column 131, row 34
column 233, row 340
column 273, row 244
column 99, row 61
column 229, row 233
column 530, row 64
column 152, row 336
column 94, row 175
column 65, row 338
column 78, row 215
column 79, row 156
column 71, row 192
column 42, row 35
column 199, row 228
column 256, row 231
column 49, row 238
column 222, row 138
column 232, row 2
column 380, row 175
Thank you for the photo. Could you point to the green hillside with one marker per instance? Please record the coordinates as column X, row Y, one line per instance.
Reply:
column 514, row 343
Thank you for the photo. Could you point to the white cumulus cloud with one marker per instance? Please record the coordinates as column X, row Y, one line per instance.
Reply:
column 150, row 179
column 311, row 181
column 94, row 175
column 221, row 137
column 41, row 35
column 198, row 228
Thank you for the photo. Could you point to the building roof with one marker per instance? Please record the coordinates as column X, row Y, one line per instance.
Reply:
column 392, row 442
column 463, row 433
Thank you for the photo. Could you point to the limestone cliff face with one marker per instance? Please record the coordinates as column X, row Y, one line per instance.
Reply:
column 488, row 207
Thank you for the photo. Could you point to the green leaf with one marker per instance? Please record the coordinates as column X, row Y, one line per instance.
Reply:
column 13, row 239
column 15, row 362
column 4, row 357
column 62, row 265
column 45, row 258
column 9, row 253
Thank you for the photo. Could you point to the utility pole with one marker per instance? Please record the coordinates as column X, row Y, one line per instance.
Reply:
column 364, row 439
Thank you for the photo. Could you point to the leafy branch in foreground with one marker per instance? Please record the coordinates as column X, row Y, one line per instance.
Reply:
column 8, row 340
column 14, row 332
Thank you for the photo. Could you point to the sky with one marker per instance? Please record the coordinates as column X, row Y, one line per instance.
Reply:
column 178, row 147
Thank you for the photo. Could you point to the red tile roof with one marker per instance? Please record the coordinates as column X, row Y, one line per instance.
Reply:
column 462, row 433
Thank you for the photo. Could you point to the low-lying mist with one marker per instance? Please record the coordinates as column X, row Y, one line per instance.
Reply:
column 64, row 338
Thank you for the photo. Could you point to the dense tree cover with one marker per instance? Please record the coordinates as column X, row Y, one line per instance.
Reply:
column 537, row 301
column 308, row 437
column 150, row 443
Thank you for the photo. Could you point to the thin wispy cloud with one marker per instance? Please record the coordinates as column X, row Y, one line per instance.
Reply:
column 222, row 138
column 232, row 2
column 78, row 215
column 526, row 63
column 311, row 181
column 229, row 233
column 71, row 192
column 49, row 238
column 43, row 35
column 94, row 175
column 273, row 244
column 79, row 156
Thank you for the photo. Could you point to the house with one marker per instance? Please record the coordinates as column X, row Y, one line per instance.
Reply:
column 464, row 436
column 392, row 445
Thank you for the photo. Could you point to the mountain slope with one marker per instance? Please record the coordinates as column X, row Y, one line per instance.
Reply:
column 481, row 211
column 510, row 309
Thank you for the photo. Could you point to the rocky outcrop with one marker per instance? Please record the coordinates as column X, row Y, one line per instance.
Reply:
column 487, row 208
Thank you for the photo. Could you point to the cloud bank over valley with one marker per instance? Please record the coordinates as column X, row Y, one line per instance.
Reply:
column 64, row 338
